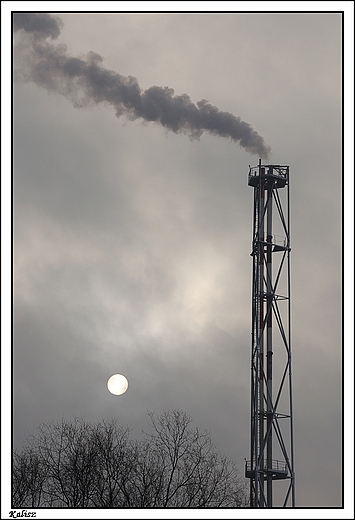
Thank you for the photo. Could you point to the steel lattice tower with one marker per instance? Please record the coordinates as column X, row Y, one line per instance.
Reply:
column 271, row 428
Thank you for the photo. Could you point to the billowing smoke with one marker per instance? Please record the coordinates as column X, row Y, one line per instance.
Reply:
column 86, row 82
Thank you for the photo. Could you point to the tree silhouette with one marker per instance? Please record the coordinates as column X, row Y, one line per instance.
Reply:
column 77, row 464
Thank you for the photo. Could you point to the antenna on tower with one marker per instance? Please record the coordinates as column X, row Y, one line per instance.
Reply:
column 271, row 412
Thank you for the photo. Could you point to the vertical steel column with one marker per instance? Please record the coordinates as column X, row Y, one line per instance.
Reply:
column 269, row 299
column 254, row 379
column 261, row 220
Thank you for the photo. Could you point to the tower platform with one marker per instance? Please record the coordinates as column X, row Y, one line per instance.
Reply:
column 278, row 174
column 278, row 470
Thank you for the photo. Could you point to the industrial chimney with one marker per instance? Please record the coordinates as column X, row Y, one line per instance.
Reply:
column 271, row 420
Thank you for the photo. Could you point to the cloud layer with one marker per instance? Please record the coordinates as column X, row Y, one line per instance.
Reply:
column 132, row 245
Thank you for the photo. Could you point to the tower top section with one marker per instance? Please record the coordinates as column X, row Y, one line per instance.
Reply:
column 268, row 172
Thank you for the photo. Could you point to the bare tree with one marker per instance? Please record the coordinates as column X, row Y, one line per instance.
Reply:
column 115, row 463
column 76, row 464
column 28, row 478
column 189, row 472
column 68, row 459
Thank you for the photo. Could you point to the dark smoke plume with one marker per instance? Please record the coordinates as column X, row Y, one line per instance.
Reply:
column 41, row 25
column 86, row 82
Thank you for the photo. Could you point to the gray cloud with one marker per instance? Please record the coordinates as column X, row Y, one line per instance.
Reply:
column 131, row 244
column 85, row 81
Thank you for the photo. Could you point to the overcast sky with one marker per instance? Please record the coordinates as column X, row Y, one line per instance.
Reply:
column 132, row 242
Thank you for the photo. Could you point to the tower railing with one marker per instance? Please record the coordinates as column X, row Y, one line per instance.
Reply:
column 277, row 467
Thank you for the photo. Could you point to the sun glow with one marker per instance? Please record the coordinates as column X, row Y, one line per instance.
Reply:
column 117, row 384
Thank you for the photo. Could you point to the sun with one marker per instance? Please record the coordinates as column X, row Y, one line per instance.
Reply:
column 117, row 384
